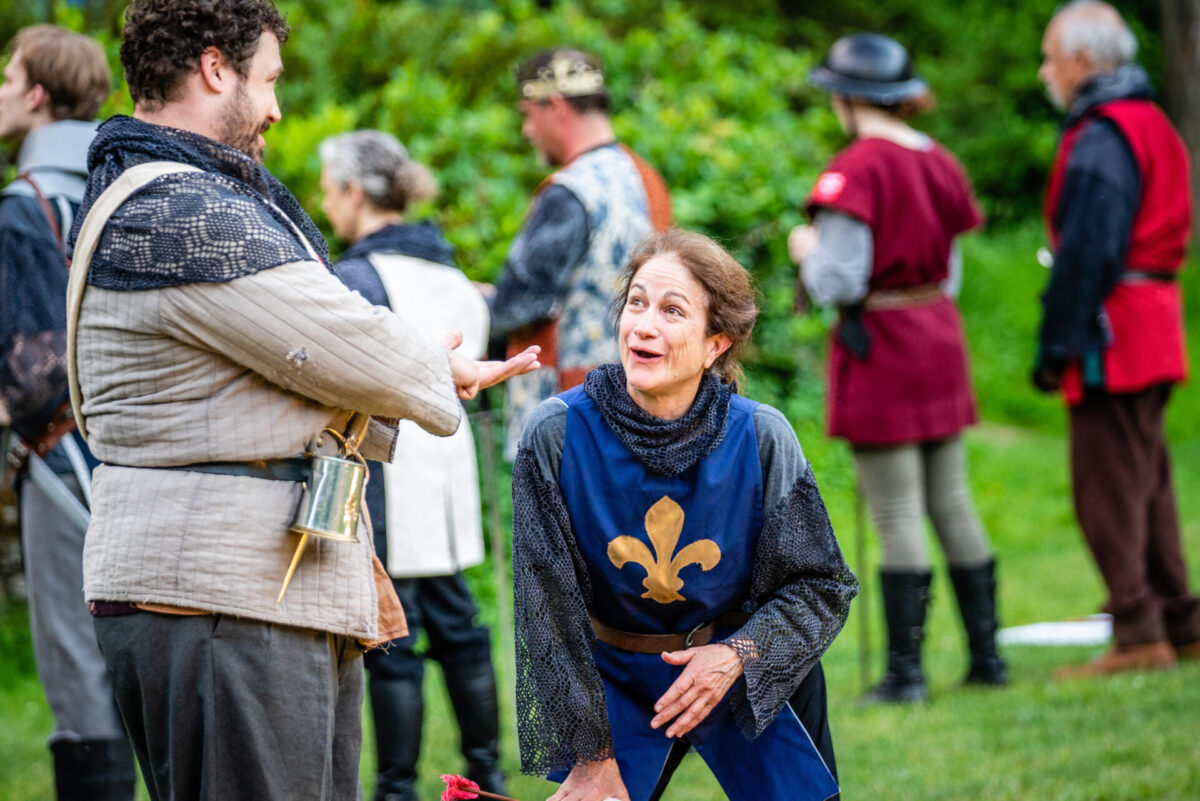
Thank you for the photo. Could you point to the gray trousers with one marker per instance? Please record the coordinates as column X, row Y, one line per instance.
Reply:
column 902, row 484
column 219, row 708
column 69, row 663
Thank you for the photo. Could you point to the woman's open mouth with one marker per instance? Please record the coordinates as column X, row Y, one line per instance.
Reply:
column 645, row 355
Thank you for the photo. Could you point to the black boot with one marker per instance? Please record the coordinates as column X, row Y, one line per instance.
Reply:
column 905, row 598
column 976, row 591
column 396, row 706
column 472, row 688
column 93, row 770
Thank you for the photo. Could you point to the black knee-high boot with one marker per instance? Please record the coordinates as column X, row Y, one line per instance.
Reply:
column 93, row 770
column 396, row 707
column 975, row 588
column 471, row 684
column 905, row 599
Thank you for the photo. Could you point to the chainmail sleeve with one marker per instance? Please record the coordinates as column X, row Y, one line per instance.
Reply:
column 562, row 719
column 802, row 589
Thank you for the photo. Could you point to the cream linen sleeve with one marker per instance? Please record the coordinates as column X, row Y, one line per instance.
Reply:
column 299, row 327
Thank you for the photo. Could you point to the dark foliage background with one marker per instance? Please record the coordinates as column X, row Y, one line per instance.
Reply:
column 712, row 93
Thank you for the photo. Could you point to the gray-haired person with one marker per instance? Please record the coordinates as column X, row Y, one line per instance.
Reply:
column 1119, row 210
column 424, row 504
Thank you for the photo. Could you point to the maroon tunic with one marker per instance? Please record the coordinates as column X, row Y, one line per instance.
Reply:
column 914, row 384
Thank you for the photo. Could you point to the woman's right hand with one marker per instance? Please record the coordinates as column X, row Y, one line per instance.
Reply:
column 592, row 781
column 802, row 241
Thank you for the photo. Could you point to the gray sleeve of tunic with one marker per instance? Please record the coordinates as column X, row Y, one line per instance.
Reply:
column 544, row 434
column 953, row 283
column 837, row 272
column 783, row 461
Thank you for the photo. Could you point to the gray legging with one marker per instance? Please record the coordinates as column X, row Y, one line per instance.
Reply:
column 902, row 483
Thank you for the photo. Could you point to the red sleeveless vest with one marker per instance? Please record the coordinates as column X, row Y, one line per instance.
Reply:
column 1146, row 316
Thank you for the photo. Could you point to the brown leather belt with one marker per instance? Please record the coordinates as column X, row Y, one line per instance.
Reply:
column 903, row 297
column 657, row 643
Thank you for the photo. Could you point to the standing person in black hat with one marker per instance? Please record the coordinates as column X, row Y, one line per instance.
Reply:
column 881, row 247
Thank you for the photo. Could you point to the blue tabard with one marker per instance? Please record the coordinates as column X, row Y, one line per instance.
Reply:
column 666, row 555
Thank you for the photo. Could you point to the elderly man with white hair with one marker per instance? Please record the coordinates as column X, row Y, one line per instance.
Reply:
column 1119, row 209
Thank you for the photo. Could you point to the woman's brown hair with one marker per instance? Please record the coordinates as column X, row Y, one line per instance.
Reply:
column 728, row 288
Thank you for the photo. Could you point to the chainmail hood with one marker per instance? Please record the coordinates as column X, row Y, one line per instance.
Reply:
column 232, row 219
column 666, row 447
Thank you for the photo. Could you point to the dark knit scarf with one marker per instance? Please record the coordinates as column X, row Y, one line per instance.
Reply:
column 232, row 219
column 421, row 240
column 665, row 447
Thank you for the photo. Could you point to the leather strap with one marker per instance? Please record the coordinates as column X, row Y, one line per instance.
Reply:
column 1157, row 276
column 109, row 201
column 47, row 210
column 657, row 643
column 297, row 468
column 903, row 297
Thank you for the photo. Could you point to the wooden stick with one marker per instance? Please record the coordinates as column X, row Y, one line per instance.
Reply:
column 292, row 567
column 496, row 796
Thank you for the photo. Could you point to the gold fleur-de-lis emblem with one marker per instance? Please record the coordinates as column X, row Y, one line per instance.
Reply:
column 664, row 523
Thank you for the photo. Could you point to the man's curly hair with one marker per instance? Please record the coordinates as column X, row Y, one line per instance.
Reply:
column 163, row 40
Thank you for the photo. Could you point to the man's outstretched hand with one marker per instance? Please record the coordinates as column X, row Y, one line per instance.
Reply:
column 471, row 376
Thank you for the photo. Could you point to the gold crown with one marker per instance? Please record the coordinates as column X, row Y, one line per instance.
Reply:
column 563, row 76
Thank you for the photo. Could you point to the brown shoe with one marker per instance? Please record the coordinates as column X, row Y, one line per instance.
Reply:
column 1189, row 651
column 1120, row 658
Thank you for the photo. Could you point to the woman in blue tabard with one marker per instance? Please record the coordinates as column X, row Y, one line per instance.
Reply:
column 675, row 573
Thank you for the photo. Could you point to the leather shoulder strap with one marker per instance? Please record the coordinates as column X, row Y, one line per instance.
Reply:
column 90, row 231
column 47, row 209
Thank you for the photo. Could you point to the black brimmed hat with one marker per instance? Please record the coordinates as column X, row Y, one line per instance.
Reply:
column 870, row 67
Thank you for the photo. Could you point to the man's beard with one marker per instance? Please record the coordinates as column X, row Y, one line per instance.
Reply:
column 239, row 128
column 1056, row 99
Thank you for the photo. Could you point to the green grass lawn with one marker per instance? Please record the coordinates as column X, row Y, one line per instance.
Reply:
column 1127, row 738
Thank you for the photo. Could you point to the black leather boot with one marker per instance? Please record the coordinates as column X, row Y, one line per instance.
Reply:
column 905, row 599
column 93, row 770
column 472, row 688
column 976, row 591
column 396, row 707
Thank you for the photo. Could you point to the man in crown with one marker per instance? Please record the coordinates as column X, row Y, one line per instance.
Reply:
column 561, row 270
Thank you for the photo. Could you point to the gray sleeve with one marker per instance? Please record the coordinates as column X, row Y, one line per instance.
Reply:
column 838, row 270
column 779, row 452
column 544, row 433
column 953, row 283
column 551, row 243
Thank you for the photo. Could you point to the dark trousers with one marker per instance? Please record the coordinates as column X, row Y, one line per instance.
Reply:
column 1125, row 502
column 224, row 709
column 442, row 606
column 812, row 707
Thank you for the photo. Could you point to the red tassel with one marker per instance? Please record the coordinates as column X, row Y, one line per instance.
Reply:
column 460, row 788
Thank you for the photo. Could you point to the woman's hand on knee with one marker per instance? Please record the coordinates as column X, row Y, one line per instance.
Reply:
column 593, row 781
column 709, row 671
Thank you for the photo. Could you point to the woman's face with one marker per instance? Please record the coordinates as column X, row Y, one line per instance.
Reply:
column 662, row 336
column 341, row 205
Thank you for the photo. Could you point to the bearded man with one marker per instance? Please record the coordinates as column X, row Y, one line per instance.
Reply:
column 209, row 348
column 585, row 220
